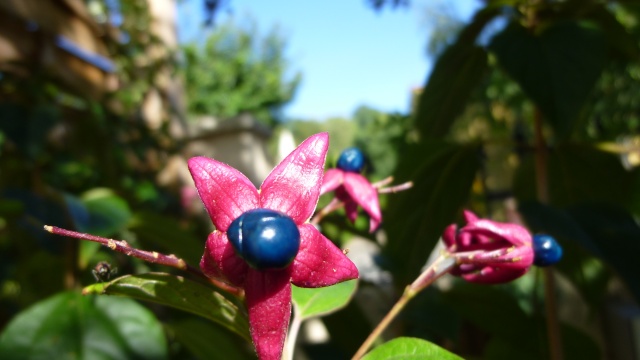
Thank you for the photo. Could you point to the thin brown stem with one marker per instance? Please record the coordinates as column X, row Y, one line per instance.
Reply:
column 397, row 188
column 334, row 205
column 439, row 267
column 122, row 246
column 542, row 187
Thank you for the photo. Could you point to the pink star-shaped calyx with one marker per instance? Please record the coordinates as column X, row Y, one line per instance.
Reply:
column 487, row 251
column 354, row 189
column 292, row 189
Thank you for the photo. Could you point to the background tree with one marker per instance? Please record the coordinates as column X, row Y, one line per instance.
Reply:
column 237, row 70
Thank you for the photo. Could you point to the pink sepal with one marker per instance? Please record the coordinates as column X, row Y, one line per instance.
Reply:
column 332, row 179
column 319, row 262
column 493, row 275
column 268, row 297
column 365, row 195
column 220, row 259
column 292, row 186
column 225, row 192
column 512, row 233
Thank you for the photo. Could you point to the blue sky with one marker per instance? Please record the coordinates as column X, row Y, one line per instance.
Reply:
column 348, row 54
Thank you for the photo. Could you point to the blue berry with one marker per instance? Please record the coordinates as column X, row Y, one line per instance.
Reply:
column 265, row 239
column 546, row 250
column 351, row 159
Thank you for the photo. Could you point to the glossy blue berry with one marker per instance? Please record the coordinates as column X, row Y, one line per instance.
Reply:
column 351, row 159
column 546, row 250
column 265, row 239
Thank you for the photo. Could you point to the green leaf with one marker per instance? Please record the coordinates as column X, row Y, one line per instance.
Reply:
column 442, row 174
column 406, row 348
column 180, row 293
column 571, row 177
column 615, row 236
column 455, row 75
column 578, row 264
column 495, row 311
column 556, row 67
column 71, row 326
column 321, row 301
column 108, row 213
column 205, row 340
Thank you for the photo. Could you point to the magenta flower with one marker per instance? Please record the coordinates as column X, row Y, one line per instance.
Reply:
column 487, row 251
column 289, row 196
column 352, row 188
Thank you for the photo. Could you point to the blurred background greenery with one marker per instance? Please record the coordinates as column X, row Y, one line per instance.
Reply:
column 100, row 107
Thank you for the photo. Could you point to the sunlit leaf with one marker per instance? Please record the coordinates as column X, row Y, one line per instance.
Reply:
column 72, row 326
column 180, row 293
column 321, row 301
column 406, row 348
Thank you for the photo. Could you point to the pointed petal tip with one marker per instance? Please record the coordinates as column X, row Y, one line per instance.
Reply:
column 469, row 216
column 293, row 186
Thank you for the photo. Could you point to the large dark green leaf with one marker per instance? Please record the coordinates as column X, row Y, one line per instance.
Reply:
column 207, row 341
column 442, row 174
column 579, row 173
column 616, row 236
column 180, row 293
column 406, row 348
column 556, row 66
column 498, row 313
column 578, row 263
column 455, row 75
column 72, row 326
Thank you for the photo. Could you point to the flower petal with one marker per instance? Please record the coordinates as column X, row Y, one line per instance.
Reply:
column 225, row 192
column 351, row 208
column 493, row 275
column 331, row 180
column 220, row 260
column 365, row 195
column 449, row 237
column 469, row 216
column 293, row 187
column 513, row 257
column 319, row 262
column 514, row 234
column 268, row 297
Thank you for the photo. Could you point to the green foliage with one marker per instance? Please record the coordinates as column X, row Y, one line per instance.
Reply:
column 442, row 174
column 180, row 293
column 206, row 341
column 556, row 66
column 322, row 301
column 72, row 326
column 379, row 136
column 409, row 349
column 238, row 70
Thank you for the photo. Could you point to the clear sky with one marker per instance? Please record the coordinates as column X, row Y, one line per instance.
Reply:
column 348, row 54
